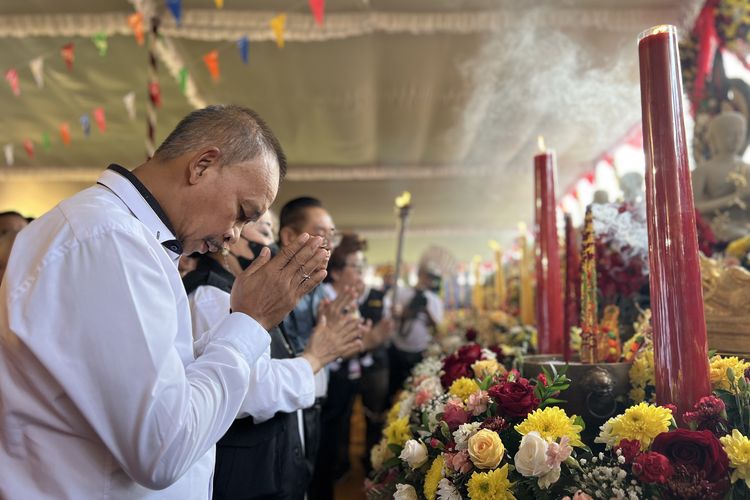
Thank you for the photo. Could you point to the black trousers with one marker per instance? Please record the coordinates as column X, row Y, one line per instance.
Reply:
column 401, row 363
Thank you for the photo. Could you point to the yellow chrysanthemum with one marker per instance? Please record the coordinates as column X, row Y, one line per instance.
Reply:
column 737, row 447
column 398, row 431
column 393, row 413
column 486, row 368
column 642, row 369
column 642, row 422
column 433, row 477
column 551, row 423
column 491, row 485
column 637, row 394
column 719, row 366
column 463, row 388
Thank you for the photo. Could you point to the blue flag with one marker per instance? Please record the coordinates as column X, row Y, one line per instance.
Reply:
column 244, row 45
column 175, row 7
column 86, row 124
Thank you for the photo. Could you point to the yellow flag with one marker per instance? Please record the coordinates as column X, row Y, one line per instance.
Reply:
column 278, row 24
column 219, row 3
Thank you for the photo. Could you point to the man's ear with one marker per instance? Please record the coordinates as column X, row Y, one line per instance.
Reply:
column 201, row 161
column 287, row 235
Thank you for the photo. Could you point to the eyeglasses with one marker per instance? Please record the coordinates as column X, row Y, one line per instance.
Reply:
column 332, row 236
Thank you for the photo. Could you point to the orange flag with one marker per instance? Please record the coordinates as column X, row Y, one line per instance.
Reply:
column 212, row 63
column 219, row 3
column 65, row 133
column 278, row 24
column 135, row 21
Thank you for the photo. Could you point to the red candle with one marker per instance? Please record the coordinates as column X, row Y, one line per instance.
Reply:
column 572, row 285
column 549, row 319
column 680, row 342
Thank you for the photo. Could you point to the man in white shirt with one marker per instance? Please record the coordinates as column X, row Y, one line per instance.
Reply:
column 103, row 393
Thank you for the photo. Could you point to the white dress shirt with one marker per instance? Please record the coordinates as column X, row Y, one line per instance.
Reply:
column 101, row 395
column 418, row 334
column 276, row 385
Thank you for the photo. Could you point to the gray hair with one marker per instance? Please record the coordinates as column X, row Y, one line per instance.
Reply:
column 239, row 132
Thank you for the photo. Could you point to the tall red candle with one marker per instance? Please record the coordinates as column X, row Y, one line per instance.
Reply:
column 549, row 319
column 680, row 342
column 572, row 285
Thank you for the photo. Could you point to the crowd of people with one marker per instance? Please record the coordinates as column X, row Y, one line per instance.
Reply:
column 164, row 335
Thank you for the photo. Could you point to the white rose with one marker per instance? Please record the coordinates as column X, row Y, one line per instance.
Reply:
column 432, row 385
column 549, row 478
column 605, row 435
column 531, row 459
column 405, row 492
column 414, row 453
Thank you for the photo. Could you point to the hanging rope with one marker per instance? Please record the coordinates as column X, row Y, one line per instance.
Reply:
column 154, row 91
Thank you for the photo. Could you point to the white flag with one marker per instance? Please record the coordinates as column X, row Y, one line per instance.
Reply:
column 9, row 154
column 37, row 69
column 129, row 101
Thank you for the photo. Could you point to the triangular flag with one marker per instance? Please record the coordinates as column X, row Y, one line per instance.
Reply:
column 67, row 54
column 212, row 63
column 65, row 133
column 11, row 76
column 37, row 69
column 244, row 45
column 183, row 76
column 8, row 148
column 28, row 145
column 46, row 143
column 278, row 24
column 154, row 93
column 100, row 42
column 219, row 3
column 135, row 21
column 100, row 119
column 85, row 124
column 129, row 101
column 318, row 8
column 175, row 7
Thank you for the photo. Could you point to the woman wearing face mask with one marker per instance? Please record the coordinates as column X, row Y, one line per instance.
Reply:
column 262, row 455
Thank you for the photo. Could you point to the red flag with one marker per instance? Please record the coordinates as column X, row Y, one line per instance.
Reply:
column 67, row 54
column 100, row 119
column 318, row 8
column 212, row 63
column 65, row 133
column 28, row 145
column 154, row 93
column 12, row 77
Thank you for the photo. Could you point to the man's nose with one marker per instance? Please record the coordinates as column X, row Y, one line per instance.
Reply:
column 234, row 235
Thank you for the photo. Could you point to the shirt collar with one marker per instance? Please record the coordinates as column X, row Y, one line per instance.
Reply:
column 142, row 205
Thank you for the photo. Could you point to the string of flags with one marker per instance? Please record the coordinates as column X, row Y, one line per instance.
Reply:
column 136, row 22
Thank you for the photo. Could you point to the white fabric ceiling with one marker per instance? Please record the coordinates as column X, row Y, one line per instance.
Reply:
column 443, row 98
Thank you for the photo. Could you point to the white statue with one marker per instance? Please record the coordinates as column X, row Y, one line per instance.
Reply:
column 720, row 184
column 632, row 187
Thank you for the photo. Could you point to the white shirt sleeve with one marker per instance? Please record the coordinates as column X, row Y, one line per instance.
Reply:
column 276, row 385
column 434, row 307
column 112, row 349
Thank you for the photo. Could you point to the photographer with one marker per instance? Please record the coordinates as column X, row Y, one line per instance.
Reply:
column 419, row 310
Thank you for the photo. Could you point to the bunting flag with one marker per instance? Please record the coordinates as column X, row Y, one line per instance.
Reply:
column 135, row 21
column 182, row 77
column 244, row 45
column 278, row 24
column 175, row 7
column 28, row 145
column 154, row 93
column 129, row 101
column 318, row 8
column 100, row 119
column 67, row 54
column 219, row 4
column 100, row 42
column 9, row 158
column 212, row 63
column 46, row 143
column 11, row 76
column 85, row 124
column 37, row 69
column 65, row 133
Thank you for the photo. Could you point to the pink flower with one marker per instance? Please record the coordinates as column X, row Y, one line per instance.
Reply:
column 422, row 397
column 557, row 453
column 580, row 495
column 454, row 414
column 477, row 402
column 459, row 461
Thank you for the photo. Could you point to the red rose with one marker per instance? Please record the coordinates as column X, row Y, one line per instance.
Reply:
column 630, row 448
column 470, row 353
column 652, row 467
column 696, row 450
column 454, row 369
column 455, row 415
column 514, row 399
column 471, row 334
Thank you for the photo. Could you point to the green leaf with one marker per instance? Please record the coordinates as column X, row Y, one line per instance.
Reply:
column 395, row 449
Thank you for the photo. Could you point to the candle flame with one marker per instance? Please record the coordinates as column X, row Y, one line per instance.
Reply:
column 404, row 200
column 540, row 144
column 494, row 245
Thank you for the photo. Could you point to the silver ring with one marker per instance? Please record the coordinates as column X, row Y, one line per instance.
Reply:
column 305, row 277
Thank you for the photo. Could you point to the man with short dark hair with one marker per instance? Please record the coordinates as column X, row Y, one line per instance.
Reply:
column 12, row 222
column 103, row 392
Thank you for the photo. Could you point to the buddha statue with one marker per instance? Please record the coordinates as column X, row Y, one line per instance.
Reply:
column 720, row 184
